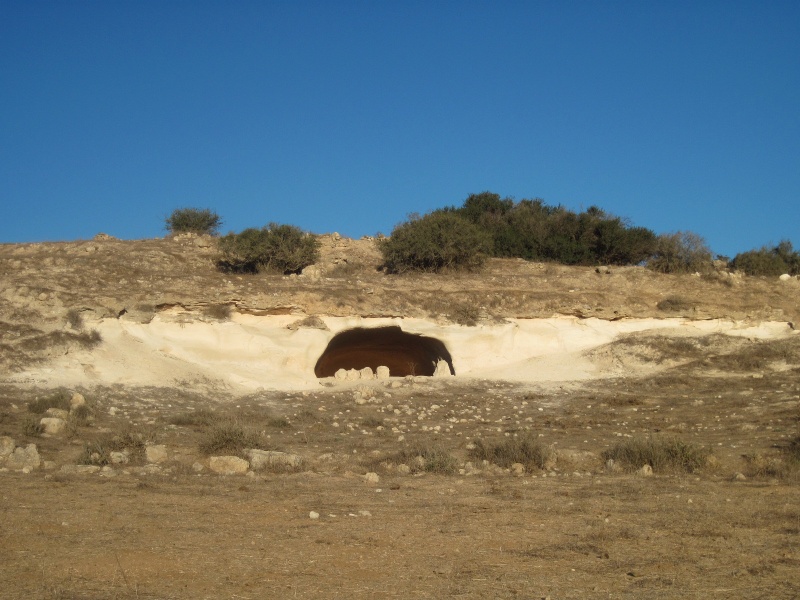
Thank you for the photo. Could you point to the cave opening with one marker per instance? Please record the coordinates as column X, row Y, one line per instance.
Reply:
column 404, row 353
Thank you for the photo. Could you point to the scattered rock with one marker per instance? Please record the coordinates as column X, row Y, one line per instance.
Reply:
column 52, row 425
column 740, row 477
column 228, row 465
column 119, row 458
column 518, row 469
column 785, row 277
column 156, row 453
column 59, row 413
column 80, row 469
column 366, row 373
column 313, row 272
column 22, row 458
column 372, row 478
column 341, row 374
column 204, row 241
column 382, row 372
column 198, row 467
column 313, row 515
column 645, row 471
column 403, row 469
column 262, row 459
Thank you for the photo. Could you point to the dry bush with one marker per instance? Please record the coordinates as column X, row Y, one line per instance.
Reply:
column 667, row 454
column 526, row 450
column 428, row 458
column 675, row 303
column 59, row 398
column 221, row 312
column 195, row 418
column 229, row 438
column 98, row 452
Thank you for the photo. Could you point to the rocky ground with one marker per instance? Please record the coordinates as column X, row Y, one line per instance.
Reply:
column 412, row 487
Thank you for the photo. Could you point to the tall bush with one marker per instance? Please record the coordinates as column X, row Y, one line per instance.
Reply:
column 193, row 220
column 283, row 248
column 438, row 241
column 681, row 252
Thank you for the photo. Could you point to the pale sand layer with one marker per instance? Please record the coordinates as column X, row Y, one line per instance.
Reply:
column 250, row 352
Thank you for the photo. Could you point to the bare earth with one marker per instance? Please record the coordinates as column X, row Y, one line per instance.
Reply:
column 82, row 527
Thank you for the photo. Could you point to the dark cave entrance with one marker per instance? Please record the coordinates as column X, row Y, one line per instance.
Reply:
column 404, row 353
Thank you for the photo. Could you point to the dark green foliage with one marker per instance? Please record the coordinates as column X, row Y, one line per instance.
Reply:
column 769, row 261
column 282, row 248
column 193, row 220
column 668, row 454
column 532, row 230
column 525, row 450
column 681, row 252
column 436, row 242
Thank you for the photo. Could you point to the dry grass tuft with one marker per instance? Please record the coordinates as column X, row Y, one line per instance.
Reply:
column 667, row 454
column 229, row 438
column 428, row 458
column 526, row 450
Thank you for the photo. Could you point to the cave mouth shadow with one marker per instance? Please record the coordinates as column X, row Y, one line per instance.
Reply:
column 404, row 353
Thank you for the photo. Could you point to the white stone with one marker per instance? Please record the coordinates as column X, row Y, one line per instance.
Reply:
column 156, row 453
column 52, row 425
column 341, row 374
column 353, row 374
column 228, row 465
column 382, row 372
column 785, row 277
column 372, row 478
column 313, row 515
column 366, row 373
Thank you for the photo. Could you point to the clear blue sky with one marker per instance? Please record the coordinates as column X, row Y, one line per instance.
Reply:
column 345, row 116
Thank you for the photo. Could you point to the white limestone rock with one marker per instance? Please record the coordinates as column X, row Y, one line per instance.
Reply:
column 228, row 465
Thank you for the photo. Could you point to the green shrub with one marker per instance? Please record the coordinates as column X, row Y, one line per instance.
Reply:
column 436, row 242
column 282, row 248
column 668, row 454
column 193, row 220
column 769, row 261
column 681, row 252
column 525, row 450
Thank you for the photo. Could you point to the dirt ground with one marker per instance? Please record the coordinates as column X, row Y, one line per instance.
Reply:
column 389, row 496
column 578, row 528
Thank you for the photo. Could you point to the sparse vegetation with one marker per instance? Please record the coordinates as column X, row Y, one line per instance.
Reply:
column 193, row 220
column 221, row 312
column 524, row 449
column 194, row 418
column 425, row 458
column 60, row 398
column 662, row 454
column 229, row 438
column 281, row 248
column 75, row 319
column 674, row 303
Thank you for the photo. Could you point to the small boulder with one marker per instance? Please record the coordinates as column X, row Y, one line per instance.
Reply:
column 645, row 471
column 52, row 425
column 59, row 413
column 518, row 469
column 262, row 459
column 24, row 458
column 7, row 446
column 76, row 401
column 372, row 478
column 366, row 373
column 785, row 277
column 341, row 374
column 382, row 372
column 353, row 374
column 228, row 465
column 119, row 458
column 156, row 453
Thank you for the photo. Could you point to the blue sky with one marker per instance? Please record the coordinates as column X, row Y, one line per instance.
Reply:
column 348, row 115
